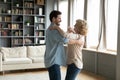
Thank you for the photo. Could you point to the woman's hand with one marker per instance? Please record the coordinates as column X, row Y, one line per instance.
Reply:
column 71, row 30
column 73, row 41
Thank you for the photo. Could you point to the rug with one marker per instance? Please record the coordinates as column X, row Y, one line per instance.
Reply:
column 39, row 75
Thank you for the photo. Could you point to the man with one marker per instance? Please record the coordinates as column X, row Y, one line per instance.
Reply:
column 55, row 53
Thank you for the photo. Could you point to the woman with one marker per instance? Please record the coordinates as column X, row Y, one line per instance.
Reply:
column 74, row 54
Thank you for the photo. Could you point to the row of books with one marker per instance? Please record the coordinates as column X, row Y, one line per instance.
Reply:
column 21, row 41
column 28, row 4
column 6, row 18
column 40, row 20
column 10, row 26
column 17, row 41
column 39, row 41
column 4, row 33
column 40, row 27
column 40, row 2
column 39, row 33
column 8, row 33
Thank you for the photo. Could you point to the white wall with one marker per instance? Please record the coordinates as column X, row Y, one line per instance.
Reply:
column 50, row 7
column 118, row 49
column 103, row 64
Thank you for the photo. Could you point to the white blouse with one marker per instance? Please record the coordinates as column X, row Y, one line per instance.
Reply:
column 74, row 53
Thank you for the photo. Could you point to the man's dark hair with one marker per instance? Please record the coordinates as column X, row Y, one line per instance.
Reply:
column 54, row 14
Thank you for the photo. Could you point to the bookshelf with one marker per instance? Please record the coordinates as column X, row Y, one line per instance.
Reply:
column 22, row 22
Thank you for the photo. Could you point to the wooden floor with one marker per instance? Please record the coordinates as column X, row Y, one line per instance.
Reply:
column 84, row 75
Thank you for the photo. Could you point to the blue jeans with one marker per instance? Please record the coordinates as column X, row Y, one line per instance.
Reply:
column 54, row 72
column 72, row 72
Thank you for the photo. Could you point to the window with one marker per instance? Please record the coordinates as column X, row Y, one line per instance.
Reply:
column 111, row 23
column 93, row 19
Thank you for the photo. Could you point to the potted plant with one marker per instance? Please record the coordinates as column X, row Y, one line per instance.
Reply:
column 16, row 4
column 27, row 22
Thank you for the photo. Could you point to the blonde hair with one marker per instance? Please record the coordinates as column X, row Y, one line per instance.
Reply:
column 82, row 26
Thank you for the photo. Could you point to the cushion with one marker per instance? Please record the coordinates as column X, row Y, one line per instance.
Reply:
column 36, row 51
column 17, row 61
column 14, row 52
column 37, row 59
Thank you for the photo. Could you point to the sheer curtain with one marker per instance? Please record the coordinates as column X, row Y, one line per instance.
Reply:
column 102, row 26
column 108, row 25
column 77, row 10
column 63, row 7
column 102, row 18
column 93, row 12
column 112, row 24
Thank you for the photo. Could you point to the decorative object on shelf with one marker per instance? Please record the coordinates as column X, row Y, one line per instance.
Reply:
column 42, row 20
column 40, row 11
column 42, row 41
column 40, row 2
column 27, row 41
column 4, row 10
column 9, row 11
column 0, row 18
column 17, row 4
column 5, row 1
column 27, row 23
